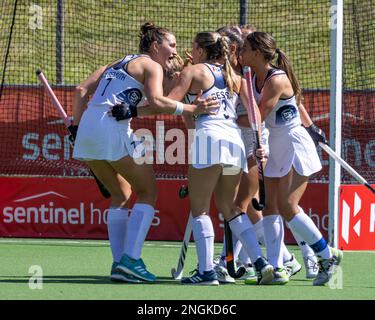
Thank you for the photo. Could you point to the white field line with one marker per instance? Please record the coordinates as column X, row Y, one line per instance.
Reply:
column 105, row 243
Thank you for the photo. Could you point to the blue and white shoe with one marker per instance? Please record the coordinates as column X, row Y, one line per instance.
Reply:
column 208, row 278
column 135, row 268
column 120, row 276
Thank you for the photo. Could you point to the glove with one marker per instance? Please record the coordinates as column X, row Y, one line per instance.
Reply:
column 317, row 134
column 73, row 133
column 120, row 113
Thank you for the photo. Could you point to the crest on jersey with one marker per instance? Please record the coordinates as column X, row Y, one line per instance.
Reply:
column 285, row 114
column 130, row 97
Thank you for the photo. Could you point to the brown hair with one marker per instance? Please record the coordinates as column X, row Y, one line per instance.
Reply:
column 234, row 35
column 150, row 33
column 266, row 44
column 217, row 47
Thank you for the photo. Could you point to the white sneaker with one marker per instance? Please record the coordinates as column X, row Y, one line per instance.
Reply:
column 327, row 267
column 281, row 276
column 250, row 272
column 223, row 275
column 311, row 266
column 292, row 266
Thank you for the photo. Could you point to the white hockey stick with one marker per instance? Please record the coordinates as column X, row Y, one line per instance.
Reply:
column 177, row 273
column 346, row 166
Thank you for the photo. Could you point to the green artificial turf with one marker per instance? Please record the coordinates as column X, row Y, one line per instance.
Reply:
column 80, row 270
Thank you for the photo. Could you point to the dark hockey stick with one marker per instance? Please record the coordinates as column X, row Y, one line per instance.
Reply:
column 229, row 257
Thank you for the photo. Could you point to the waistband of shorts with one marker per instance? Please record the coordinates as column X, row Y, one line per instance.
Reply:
column 277, row 130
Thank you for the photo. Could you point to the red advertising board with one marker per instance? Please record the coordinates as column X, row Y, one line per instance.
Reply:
column 356, row 223
column 58, row 208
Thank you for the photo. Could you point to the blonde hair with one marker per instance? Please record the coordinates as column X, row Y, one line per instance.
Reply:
column 217, row 47
column 173, row 66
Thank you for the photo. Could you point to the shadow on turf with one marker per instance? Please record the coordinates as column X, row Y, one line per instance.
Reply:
column 80, row 279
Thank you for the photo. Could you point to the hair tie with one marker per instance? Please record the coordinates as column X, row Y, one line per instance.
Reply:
column 277, row 50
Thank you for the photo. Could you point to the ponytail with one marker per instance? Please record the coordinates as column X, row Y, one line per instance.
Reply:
column 217, row 47
column 284, row 64
column 228, row 72
column 266, row 44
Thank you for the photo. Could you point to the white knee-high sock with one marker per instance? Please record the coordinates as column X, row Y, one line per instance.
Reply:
column 259, row 231
column 244, row 230
column 244, row 257
column 138, row 225
column 287, row 256
column 116, row 224
column 302, row 225
column 304, row 247
column 203, row 232
column 274, row 237
column 260, row 235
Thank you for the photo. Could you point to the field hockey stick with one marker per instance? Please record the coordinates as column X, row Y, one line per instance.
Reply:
column 346, row 166
column 229, row 256
column 68, row 123
column 177, row 272
column 258, row 205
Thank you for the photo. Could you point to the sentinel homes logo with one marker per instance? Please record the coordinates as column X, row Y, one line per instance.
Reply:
column 41, row 209
column 352, row 219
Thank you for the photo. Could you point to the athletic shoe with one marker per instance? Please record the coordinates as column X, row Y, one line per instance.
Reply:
column 264, row 270
column 223, row 275
column 208, row 278
column 327, row 267
column 136, row 268
column 292, row 266
column 281, row 276
column 311, row 265
column 250, row 272
column 219, row 260
column 119, row 276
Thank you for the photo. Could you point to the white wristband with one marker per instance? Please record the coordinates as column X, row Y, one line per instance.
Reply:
column 179, row 109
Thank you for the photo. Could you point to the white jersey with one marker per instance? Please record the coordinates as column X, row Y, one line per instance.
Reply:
column 217, row 137
column 100, row 136
column 116, row 86
column 285, row 114
column 290, row 145
column 218, row 91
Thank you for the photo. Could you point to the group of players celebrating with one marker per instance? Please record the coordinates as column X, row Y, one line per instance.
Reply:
column 209, row 91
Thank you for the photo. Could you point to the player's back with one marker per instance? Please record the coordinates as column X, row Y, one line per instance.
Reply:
column 226, row 114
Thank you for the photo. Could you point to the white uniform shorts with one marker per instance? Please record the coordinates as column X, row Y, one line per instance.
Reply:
column 101, row 137
column 291, row 147
column 211, row 147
